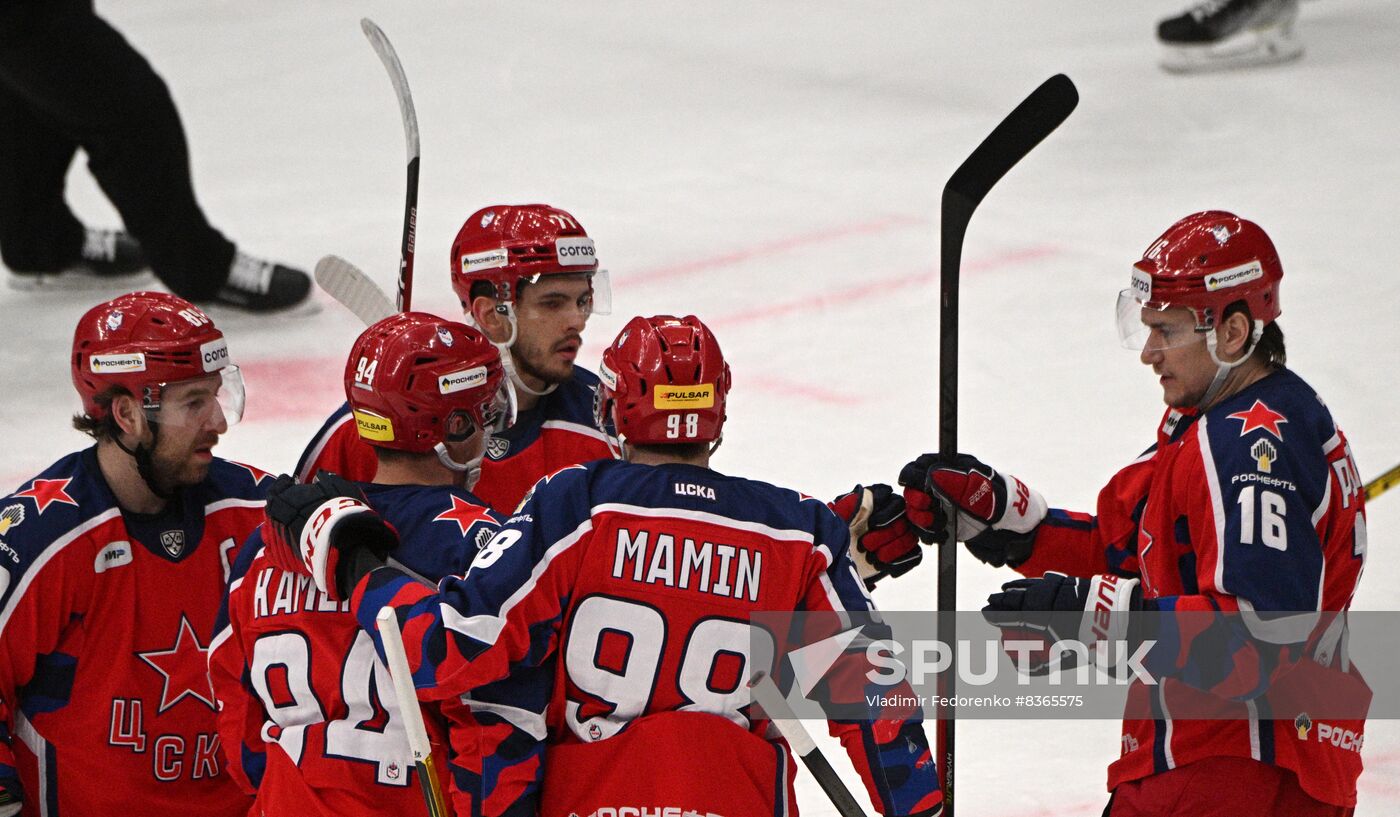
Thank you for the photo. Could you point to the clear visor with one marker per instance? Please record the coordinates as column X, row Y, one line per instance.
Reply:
column 598, row 299
column 500, row 415
column 1152, row 326
column 213, row 401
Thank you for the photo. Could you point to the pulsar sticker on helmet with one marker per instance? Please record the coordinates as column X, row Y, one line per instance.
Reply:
column 112, row 364
column 684, row 397
column 575, row 252
column 461, row 381
column 1234, row 276
column 374, row 427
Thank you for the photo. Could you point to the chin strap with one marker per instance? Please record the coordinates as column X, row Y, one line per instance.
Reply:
column 472, row 467
column 508, row 362
column 145, row 463
column 1222, row 368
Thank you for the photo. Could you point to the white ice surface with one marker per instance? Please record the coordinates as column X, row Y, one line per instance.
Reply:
column 776, row 169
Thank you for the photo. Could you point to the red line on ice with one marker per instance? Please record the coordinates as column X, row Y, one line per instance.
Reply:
column 774, row 247
column 289, row 388
column 878, row 288
column 774, row 384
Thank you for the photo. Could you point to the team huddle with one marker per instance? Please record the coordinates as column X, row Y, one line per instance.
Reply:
column 181, row 634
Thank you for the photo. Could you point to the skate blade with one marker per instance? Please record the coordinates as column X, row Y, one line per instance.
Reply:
column 1246, row 49
column 77, row 280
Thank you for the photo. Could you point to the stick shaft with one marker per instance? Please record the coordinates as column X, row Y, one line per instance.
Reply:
column 407, row 697
column 766, row 694
column 1016, row 135
column 390, row 58
column 1383, row 483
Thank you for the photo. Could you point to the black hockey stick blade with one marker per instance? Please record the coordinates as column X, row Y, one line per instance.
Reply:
column 1018, row 134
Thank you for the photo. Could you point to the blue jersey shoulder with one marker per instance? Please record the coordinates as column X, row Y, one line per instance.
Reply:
column 1275, row 430
column 696, row 489
column 318, row 441
column 440, row 527
column 49, row 506
column 235, row 480
column 571, row 402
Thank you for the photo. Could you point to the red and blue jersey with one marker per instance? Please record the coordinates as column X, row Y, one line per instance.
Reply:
column 1255, row 507
column 307, row 709
column 557, row 432
column 641, row 580
column 104, row 630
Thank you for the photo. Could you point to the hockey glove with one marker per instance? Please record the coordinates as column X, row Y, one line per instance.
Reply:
column 885, row 543
column 997, row 514
column 1056, row 607
column 326, row 530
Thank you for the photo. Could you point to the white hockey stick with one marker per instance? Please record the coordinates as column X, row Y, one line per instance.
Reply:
column 407, row 697
column 390, row 58
column 766, row 695
column 353, row 290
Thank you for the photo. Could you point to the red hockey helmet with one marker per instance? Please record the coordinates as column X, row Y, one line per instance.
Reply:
column 509, row 244
column 1204, row 262
column 144, row 341
column 664, row 380
column 415, row 380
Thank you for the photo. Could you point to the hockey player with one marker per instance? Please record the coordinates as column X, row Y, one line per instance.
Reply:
column 115, row 558
column 640, row 575
column 1248, row 501
column 1218, row 34
column 528, row 278
column 306, row 708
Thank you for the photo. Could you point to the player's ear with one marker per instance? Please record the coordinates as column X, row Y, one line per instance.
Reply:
column 1233, row 335
column 128, row 415
column 495, row 325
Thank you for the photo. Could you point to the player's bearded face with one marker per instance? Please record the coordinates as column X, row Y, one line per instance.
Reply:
column 1184, row 367
column 550, row 316
column 190, row 421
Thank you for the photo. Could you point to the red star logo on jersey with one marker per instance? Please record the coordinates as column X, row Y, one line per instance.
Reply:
column 45, row 492
column 258, row 474
column 464, row 514
column 184, row 668
column 1260, row 416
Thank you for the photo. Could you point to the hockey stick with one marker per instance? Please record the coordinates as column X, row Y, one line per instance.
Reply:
column 766, row 695
column 1019, row 133
column 423, row 758
column 1382, row 483
column 352, row 289
column 390, row 58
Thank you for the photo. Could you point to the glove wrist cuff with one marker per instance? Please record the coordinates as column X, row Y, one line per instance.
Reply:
column 317, row 535
column 1111, row 598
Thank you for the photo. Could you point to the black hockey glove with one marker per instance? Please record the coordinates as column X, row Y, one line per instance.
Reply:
column 884, row 542
column 1037, row 613
column 325, row 530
